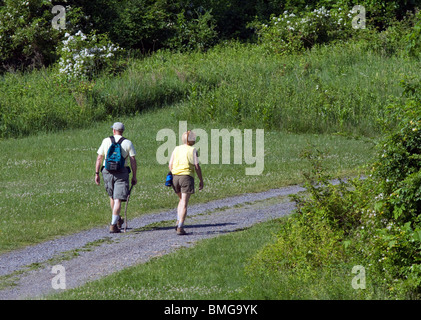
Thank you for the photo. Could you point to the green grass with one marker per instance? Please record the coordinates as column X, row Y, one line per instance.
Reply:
column 337, row 88
column 215, row 269
column 341, row 88
column 316, row 100
column 48, row 185
column 212, row 269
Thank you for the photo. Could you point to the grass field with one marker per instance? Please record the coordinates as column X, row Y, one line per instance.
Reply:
column 216, row 270
column 48, row 188
column 338, row 88
column 332, row 98
column 48, row 185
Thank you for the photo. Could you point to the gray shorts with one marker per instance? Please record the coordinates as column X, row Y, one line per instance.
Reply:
column 183, row 184
column 117, row 183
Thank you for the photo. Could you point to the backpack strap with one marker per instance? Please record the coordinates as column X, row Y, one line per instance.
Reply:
column 118, row 142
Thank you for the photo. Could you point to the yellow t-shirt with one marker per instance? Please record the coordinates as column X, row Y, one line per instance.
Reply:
column 183, row 160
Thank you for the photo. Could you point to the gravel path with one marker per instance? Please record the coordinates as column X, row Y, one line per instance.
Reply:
column 100, row 253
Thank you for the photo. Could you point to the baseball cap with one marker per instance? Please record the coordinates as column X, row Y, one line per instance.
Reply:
column 118, row 126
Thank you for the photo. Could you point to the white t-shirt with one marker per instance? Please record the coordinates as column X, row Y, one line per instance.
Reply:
column 127, row 148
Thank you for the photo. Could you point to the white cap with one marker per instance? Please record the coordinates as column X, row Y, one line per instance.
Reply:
column 118, row 126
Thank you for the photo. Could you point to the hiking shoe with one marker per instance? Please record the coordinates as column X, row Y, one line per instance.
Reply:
column 120, row 222
column 114, row 228
column 181, row 231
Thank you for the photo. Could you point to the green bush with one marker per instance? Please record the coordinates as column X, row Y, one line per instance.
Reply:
column 27, row 39
column 413, row 38
column 193, row 33
column 373, row 222
column 289, row 32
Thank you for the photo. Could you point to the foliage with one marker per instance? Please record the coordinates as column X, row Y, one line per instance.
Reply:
column 336, row 205
column 194, row 33
column 85, row 56
column 393, row 40
column 289, row 32
column 413, row 39
column 394, row 225
column 27, row 39
column 298, row 93
column 377, row 219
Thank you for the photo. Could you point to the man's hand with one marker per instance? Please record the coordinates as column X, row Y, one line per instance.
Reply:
column 133, row 165
column 201, row 185
column 97, row 168
column 134, row 181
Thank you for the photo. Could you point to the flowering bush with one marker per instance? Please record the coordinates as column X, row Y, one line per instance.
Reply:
column 84, row 56
column 290, row 32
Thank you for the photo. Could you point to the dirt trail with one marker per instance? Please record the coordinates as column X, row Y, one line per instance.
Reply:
column 95, row 253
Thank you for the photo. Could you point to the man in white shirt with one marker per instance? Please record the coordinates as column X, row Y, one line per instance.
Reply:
column 116, row 182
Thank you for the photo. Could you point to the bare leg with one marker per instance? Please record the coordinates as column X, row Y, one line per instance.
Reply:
column 182, row 207
column 115, row 205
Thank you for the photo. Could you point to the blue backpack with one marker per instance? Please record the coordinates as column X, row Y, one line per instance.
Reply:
column 115, row 160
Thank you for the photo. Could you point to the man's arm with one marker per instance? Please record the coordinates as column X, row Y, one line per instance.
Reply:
column 98, row 168
column 133, row 165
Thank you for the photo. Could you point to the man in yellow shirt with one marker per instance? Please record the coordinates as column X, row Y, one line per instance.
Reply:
column 183, row 163
column 116, row 182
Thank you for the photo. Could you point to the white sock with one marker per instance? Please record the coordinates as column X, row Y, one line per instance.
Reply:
column 115, row 219
column 180, row 224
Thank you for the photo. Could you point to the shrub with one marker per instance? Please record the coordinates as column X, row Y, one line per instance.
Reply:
column 27, row 39
column 291, row 32
column 377, row 220
column 414, row 38
column 193, row 31
column 85, row 56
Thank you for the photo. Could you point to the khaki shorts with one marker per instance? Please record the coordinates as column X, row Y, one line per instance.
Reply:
column 116, row 184
column 183, row 184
